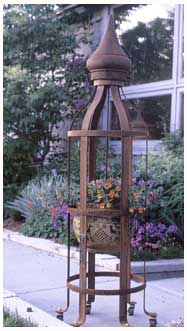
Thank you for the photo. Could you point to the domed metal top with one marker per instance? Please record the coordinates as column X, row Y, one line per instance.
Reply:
column 109, row 63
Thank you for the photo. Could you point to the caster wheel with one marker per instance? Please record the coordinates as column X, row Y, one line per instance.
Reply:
column 131, row 310
column 152, row 322
column 88, row 308
column 60, row 316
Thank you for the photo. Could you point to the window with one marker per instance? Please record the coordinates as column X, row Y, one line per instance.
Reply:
column 146, row 32
column 155, row 112
column 152, row 36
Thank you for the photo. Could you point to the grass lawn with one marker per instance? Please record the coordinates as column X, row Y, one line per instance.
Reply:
column 10, row 320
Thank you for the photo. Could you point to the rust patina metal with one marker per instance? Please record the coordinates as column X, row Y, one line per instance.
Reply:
column 108, row 66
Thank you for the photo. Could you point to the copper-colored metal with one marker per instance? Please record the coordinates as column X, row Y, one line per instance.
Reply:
column 108, row 67
column 98, row 133
column 93, row 292
column 109, row 62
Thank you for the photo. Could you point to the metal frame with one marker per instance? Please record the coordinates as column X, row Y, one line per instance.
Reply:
column 87, row 136
column 106, row 65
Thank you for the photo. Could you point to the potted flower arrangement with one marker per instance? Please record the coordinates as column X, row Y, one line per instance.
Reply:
column 103, row 233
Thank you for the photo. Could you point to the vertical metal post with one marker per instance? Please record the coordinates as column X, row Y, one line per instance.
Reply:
column 124, row 235
column 83, row 228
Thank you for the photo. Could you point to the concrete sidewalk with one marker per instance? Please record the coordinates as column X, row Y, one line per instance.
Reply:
column 39, row 278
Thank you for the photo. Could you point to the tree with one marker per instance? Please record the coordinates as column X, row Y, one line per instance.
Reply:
column 45, row 81
column 44, row 76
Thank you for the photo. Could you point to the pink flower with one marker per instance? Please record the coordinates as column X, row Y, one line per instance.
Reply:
column 29, row 204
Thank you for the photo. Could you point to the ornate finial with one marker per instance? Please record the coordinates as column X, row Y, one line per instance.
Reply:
column 109, row 63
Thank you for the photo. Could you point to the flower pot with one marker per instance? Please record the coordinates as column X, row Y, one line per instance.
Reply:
column 103, row 233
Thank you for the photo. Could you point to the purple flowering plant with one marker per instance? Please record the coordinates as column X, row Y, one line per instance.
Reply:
column 151, row 235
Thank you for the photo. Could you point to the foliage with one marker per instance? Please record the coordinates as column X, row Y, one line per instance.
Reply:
column 16, row 158
column 13, row 320
column 151, row 235
column 44, row 77
column 39, row 194
column 149, row 45
column 43, row 205
column 167, row 169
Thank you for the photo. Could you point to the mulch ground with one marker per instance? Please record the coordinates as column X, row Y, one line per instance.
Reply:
column 11, row 224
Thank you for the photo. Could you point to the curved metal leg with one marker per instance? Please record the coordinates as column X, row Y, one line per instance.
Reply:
column 152, row 315
column 60, row 311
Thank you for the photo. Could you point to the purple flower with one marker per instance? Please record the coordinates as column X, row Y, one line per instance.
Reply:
column 155, row 246
column 172, row 229
column 150, row 182
column 139, row 238
column 141, row 182
column 152, row 197
column 141, row 230
column 102, row 167
column 161, row 227
column 86, row 84
column 78, row 104
column 54, row 222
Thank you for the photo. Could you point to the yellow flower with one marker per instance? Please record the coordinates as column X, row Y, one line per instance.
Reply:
column 39, row 197
column 131, row 210
column 99, row 196
column 98, row 191
column 108, row 205
column 136, row 195
column 118, row 188
column 102, row 205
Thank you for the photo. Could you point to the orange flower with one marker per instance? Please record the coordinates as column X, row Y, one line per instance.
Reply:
column 102, row 205
column 58, row 194
column 108, row 185
column 140, row 210
column 111, row 194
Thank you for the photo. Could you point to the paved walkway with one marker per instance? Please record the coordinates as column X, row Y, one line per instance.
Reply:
column 39, row 278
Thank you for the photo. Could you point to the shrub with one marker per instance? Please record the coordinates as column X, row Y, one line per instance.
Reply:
column 43, row 205
column 16, row 158
column 167, row 169
column 39, row 194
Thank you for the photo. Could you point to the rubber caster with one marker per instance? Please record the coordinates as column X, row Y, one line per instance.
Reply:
column 152, row 322
column 60, row 314
column 88, row 308
column 131, row 310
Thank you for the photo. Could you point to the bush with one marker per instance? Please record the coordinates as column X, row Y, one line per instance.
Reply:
column 167, row 169
column 16, row 158
column 43, row 205
column 40, row 224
